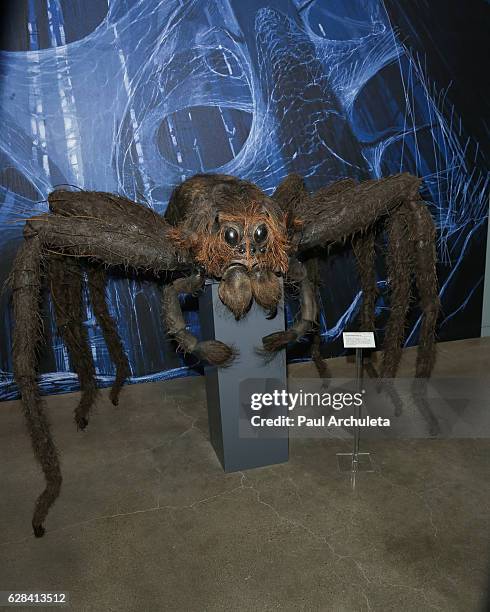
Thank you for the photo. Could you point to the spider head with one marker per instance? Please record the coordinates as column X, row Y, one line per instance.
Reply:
column 245, row 242
column 247, row 251
column 252, row 256
column 239, row 237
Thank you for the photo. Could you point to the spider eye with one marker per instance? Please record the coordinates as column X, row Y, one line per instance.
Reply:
column 260, row 233
column 231, row 236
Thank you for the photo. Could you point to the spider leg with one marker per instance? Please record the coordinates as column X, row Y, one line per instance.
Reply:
column 213, row 351
column 97, row 286
column 66, row 285
column 400, row 258
column 411, row 235
column 108, row 241
column 119, row 233
column 26, row 287
column 426, row 282
column 290, row 193
column 309, row 312
column 341, row 210
column 316, row 355
column 312, row 270
column 364, row 251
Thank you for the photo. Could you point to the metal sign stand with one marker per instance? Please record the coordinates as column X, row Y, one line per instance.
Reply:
column 356, row 461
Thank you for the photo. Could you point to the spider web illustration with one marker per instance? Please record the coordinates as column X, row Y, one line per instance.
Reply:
column 151, row 92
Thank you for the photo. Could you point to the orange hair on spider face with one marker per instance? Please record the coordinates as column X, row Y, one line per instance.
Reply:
column 210, row 249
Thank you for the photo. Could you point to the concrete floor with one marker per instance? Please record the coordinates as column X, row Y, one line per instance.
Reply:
column 148, row 521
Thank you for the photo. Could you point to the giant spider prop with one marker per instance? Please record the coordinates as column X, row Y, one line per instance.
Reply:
column 219, row 227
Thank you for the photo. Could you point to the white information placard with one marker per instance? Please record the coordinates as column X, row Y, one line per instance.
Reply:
column 359, row 340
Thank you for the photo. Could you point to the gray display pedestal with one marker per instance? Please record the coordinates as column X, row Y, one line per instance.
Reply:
column 238, row 447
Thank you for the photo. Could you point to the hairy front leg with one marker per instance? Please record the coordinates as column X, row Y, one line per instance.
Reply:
column 308, row 312
column 334, row 213
column 112, row 242
column 213, row 351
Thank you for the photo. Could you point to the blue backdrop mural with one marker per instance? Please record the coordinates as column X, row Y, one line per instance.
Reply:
column 135, row 96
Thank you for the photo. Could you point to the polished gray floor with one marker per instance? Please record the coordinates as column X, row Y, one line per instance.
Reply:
column 148, row 521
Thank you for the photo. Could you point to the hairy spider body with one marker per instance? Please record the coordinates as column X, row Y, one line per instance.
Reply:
column 220, row 227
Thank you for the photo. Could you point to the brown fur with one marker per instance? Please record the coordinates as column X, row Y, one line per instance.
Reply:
column 235, row 290
column 278, row 340
column 97, row 287
column 210, row 250
column 66, row 285
column 215, row 352
column 110, row 230
column 266, row 288
column 399, row 264
column 26, row 286
column 238, row 286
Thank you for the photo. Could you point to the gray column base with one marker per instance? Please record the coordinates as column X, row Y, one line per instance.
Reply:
column 238, row 449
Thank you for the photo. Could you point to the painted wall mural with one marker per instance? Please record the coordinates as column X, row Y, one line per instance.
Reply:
column 134, row 96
